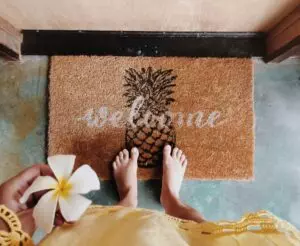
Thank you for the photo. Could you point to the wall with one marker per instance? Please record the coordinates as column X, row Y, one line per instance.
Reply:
column 154, row 15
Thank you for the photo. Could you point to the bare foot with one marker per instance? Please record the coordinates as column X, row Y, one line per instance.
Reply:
column 174, row 165
column 125, row 173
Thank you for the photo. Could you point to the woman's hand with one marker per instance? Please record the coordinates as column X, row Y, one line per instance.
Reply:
column 12, row 190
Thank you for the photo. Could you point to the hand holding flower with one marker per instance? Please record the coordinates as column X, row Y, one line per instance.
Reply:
column 64, row 191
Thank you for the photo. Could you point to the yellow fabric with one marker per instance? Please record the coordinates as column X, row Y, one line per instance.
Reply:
column 15, row 236
column 112, row 226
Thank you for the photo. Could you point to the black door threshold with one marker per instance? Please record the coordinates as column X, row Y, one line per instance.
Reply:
column 118, row 43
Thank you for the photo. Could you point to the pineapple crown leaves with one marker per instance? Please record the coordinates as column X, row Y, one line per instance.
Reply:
column 154, row 86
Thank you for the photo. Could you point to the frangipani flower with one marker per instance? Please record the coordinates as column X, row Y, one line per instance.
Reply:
column 64, row 190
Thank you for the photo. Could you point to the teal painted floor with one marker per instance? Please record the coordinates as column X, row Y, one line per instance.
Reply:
column 23, row 121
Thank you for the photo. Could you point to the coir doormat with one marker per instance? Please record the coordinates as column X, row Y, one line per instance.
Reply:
column 100, row 105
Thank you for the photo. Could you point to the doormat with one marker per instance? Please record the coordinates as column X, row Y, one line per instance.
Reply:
column 101, row 105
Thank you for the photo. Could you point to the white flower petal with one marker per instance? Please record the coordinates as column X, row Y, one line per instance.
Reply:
column 73, row 207
column 40, row 183
column 62, row 165
column 83, row 180
column 44, row 211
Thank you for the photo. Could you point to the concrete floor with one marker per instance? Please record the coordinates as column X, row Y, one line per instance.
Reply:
column 23, row 120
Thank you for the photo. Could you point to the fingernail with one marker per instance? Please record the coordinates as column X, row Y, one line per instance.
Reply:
column 23, row 206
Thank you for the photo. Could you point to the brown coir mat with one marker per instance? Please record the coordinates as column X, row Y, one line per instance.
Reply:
column 100, row 105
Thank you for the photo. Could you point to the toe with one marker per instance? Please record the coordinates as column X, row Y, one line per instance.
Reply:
column 167, row 151
column 174, row 152
column 184, row 164
column 182, row 158
column 134, row 153
column 118, row 161
column 121, row 155
column 114, row 165
column 125, row 154
column 179, row 154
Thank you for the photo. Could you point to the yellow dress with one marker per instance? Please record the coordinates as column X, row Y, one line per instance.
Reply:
column 112, row 226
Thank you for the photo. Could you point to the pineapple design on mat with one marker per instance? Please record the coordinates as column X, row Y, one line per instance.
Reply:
column 149, row 92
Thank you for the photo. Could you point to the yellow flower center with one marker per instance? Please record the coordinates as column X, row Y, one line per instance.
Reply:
column 63, row 188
